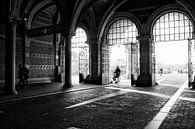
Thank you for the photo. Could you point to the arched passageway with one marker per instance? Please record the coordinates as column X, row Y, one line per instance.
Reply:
column 80, row 56
column 173, row 45
column 121, row 49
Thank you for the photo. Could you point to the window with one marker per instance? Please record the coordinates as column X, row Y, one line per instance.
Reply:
column 172, row 26
column 122, row 32
column 79, row 40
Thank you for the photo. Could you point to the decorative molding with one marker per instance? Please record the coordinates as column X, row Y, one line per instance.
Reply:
column 43, row 67
column 37, row 55
column 46, row 30
column 40, row 41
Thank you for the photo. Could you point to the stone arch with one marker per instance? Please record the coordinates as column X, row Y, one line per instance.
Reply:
column 36, row 9
column 43, row 13
column 106, row 18
column 30, row 11
column 75, row 17
column 188, row 8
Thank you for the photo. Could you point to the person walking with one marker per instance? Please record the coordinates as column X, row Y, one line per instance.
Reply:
column 20, row 76
column 117, row 73
column 26, row 75
column 161, row 71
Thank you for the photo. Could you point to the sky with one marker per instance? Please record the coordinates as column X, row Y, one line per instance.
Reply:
column 175, row 52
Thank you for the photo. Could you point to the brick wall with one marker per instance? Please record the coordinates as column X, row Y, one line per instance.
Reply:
column 41, row 49
column 41, row 57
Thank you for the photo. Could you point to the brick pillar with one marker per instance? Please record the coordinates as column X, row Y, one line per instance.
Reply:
column 68, row 55
column 10, row 58
column 145, row 77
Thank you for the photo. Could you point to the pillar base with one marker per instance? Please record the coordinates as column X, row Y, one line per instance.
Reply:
column 144, row 80
column 10, row 92
column 67, row 85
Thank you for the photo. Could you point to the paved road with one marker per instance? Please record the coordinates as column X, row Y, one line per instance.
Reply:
column 114, row 107
column 173, row 79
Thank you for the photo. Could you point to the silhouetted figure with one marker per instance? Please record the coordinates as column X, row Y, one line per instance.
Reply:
column 161, row 71
column 26, row 75
column 20, row 76
column 117, row 73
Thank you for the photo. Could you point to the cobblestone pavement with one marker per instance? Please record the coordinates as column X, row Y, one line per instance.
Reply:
column 111, row 107
column 130, row 110
column 182, row 114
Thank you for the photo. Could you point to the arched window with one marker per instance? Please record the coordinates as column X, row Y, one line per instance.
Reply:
column 79, row 40
column 122, row 32
column 172, row 26
column 80, row 55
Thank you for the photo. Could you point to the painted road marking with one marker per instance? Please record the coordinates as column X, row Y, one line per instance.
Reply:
column 158, row 119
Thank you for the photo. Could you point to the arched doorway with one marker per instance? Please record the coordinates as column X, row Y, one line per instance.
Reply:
column 121, row 49
column 173, row 41
column 80, row 56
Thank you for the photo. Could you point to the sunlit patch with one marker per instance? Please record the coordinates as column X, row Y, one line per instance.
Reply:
column 72, row 128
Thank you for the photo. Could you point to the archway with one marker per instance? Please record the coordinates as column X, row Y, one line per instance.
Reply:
column 80, row 56
column 173, row 41
column 123, row 51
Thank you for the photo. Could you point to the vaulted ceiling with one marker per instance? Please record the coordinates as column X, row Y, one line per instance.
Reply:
column 91, row 10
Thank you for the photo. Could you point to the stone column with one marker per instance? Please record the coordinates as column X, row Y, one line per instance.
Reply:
column 128, row 49
column 10, row 58
column 68, row 61
column 23, row 41
column 145, row 77
column 94, row 61
column 54, row 58
column 134, row 60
